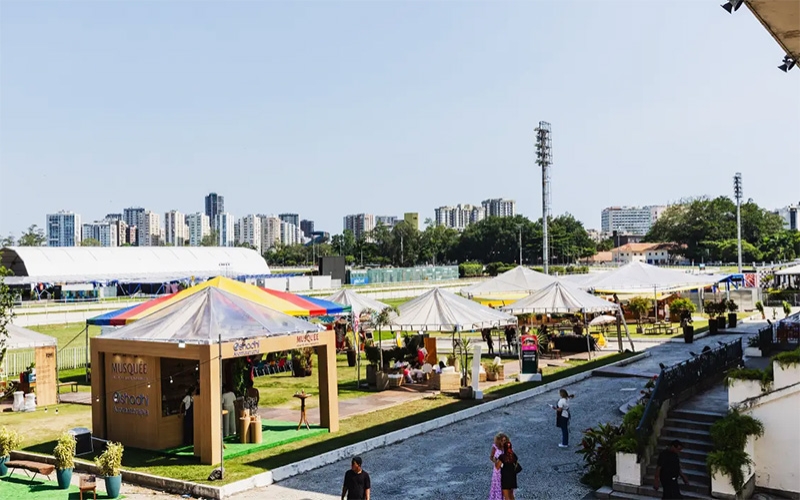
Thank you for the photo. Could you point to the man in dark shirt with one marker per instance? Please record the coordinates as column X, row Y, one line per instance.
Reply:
column 356, row 482
column 668, row 471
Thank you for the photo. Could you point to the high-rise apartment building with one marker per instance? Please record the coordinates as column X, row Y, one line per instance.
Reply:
column 307, row 226
column 113, row 217
column 150, row 230
column 105, row 232
column 386, row 220
column 460, row 216
column 412, row 219
column 360, row 224
column 223, row 225
column 199, row 227
column 122, row 231
column 215, row 204
column 293, row 219
column 630, row 220
column 133, row 217
column 132, row 236
column 63, row 229
column 290, row 234
column 250, row 231
column 791, row 217
column 270, row 232
column 498, row 207
column 175, row 230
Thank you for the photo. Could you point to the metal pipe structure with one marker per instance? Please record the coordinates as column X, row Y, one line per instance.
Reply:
column 737, row 192
column 544, row 158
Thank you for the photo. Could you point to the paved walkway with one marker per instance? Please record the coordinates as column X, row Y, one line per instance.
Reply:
column 452, row 462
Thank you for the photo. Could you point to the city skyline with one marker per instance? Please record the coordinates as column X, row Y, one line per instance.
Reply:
column 431, row 120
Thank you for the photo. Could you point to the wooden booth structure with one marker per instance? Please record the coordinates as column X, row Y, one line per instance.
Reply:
column 142, row 371
column 45, row 382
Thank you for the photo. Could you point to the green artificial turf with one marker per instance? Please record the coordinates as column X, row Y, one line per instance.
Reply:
column 19, row 486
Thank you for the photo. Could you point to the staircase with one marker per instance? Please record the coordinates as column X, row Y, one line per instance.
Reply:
column 692, row 428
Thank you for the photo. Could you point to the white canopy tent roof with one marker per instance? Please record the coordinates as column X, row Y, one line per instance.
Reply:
column 789, row 271
column 638, row 277
column 128, row 264
column 204, row 317
column 358, row 303
column 560, row 297
column 518, row 280
column 440, row 310
column 22, row 338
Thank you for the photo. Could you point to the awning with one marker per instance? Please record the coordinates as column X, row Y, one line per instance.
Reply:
column 440, row 310
column 560, row 297
column 22, row 338
column 640, row 278
column 510, row 284
column 358, row 303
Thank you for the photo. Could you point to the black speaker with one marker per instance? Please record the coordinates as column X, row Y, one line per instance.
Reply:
column 333, row 267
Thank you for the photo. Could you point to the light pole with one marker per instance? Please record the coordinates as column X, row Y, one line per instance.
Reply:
column 520, row 244
column 402, row 252
column 737, row 192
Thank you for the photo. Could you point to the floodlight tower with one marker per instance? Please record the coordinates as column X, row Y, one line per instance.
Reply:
column 544, row 158
column 737, row 192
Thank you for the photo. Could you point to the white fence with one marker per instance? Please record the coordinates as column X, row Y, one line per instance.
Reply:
column 19, row 361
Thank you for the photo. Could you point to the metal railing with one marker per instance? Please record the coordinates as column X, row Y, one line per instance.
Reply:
column 766, row 337
column 682, row 377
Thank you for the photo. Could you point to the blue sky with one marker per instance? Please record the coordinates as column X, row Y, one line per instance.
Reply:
column 329, row 108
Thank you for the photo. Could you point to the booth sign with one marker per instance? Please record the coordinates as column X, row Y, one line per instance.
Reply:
column 530, row 354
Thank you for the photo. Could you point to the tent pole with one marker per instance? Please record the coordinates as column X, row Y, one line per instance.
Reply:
column 627, row 333
column 655, row 301
column 619, row 329
column 86, row 366
column 588, row 342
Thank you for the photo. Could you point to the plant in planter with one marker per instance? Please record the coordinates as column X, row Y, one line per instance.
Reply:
column 599, row 447
column 711, row 308
column 683, row 308
column 760, row 307
column 351, row 352
column 729, row 457
column 109, row 464
column 732, row 307
column 9, row 440
column 787, row 309
column 746, row 383
column 64, row 454
column 493, row 369
column 722, row 321
column 373, row 355
column 787, row 371
column 639, row 306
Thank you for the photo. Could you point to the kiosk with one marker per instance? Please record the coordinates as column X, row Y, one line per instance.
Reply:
column 45, row 382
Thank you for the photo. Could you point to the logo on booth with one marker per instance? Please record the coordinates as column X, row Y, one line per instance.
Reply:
column 131, row 404
column 246, row 347
column 129, row 371
column 307, row 339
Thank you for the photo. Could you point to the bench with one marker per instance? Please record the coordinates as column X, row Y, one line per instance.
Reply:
column 72, row 385
column 35, row 467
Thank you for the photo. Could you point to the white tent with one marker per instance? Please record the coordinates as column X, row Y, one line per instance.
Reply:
column 560, row 297
column 519, row 280
column 22, row 338
column 789, row 271
column 358, row 303
column 440, row 310
column 638, row 277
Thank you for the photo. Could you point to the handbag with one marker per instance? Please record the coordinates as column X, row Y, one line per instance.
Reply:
column 517, row 468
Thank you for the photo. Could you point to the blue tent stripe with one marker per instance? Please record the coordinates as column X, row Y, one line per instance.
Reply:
column 330, row 307
column 105, row 319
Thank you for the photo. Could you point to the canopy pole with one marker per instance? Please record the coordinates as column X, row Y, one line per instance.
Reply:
column 655, row 301
column 588, row 342
column 86, row 366
column 619, row 328
column 627, row 333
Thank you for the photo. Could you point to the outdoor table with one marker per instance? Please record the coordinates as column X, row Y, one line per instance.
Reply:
column 303, row 418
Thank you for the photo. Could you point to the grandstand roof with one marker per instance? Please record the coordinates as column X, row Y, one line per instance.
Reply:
column 128, row 264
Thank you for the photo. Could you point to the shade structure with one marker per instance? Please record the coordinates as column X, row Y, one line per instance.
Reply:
column 603, row 319
column 210, row 315
column 287, row 303
column 789, row 271
column 519, row 281
column 22, row 338
column 358, row 303
column 560, row 297
column 440, row 310
column 638, row 277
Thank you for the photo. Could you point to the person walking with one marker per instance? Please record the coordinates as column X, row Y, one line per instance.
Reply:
column 563, row 416
column 487, row 336
column 509, row 467
column 669, row 469
column 496, row 490
column 356, row 482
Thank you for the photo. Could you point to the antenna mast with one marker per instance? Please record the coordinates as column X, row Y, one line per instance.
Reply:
column 544, row 158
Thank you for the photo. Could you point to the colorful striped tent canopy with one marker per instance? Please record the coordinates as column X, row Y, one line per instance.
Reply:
column 287, row 303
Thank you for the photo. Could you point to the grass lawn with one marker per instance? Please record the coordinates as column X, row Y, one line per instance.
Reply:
column 698, row 324
column 68, row 332
column 352, row 430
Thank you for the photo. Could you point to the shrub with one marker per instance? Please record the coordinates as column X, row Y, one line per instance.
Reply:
column 760, row 306
column 752, row 341
column 493, row 268
column 9, row 440
column 729, row 436
column 787, row 308
column 64, row 451
column 731, row 306
column 788, row 358
column 470, row 269
column 110, row 461
column 764, row 377
column 599, row 447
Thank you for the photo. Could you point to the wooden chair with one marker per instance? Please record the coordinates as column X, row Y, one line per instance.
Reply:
column 88, row 483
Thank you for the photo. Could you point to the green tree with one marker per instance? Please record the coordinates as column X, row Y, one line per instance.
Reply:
column 6, row 310
column 8, row 241
column 33, row 237
column 90, row 242
column 605, row 245
column 438, row 244
column 210, row 240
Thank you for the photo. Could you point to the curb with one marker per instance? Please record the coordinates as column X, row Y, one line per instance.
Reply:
column 287, row 471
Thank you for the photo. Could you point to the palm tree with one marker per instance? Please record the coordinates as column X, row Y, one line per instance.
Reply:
column 381, row 319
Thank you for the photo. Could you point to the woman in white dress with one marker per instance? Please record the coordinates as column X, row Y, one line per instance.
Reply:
column 496, row 491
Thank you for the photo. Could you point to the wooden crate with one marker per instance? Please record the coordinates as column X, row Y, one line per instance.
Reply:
column 445, row 382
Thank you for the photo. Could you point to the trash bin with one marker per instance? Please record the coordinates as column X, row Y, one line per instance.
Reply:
column 19, row 401
column 83, row 440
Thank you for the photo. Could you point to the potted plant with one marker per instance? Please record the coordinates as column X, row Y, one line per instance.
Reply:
column 9, row 440
column 732, row 308
column 786, row 368
column 109, row 464
column 373, row 357
column 639, row 306
column 64, row 454
column 710, row 308
column 302, row 362
column 684, row 308
column 722, row 321
column 729, row 465
column 493, row 370
column 351, row 352
column 760, row 307
column 787, row 309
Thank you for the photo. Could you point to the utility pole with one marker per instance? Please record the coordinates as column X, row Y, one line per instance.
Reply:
column 737, row 192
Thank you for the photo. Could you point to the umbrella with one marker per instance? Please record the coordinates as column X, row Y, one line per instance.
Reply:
column 604, row 319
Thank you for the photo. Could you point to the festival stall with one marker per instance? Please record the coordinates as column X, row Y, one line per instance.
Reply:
column 143, row 371
column 508, row 287
column 42, row 378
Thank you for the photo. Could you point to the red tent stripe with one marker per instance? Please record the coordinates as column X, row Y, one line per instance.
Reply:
column 313, row 309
